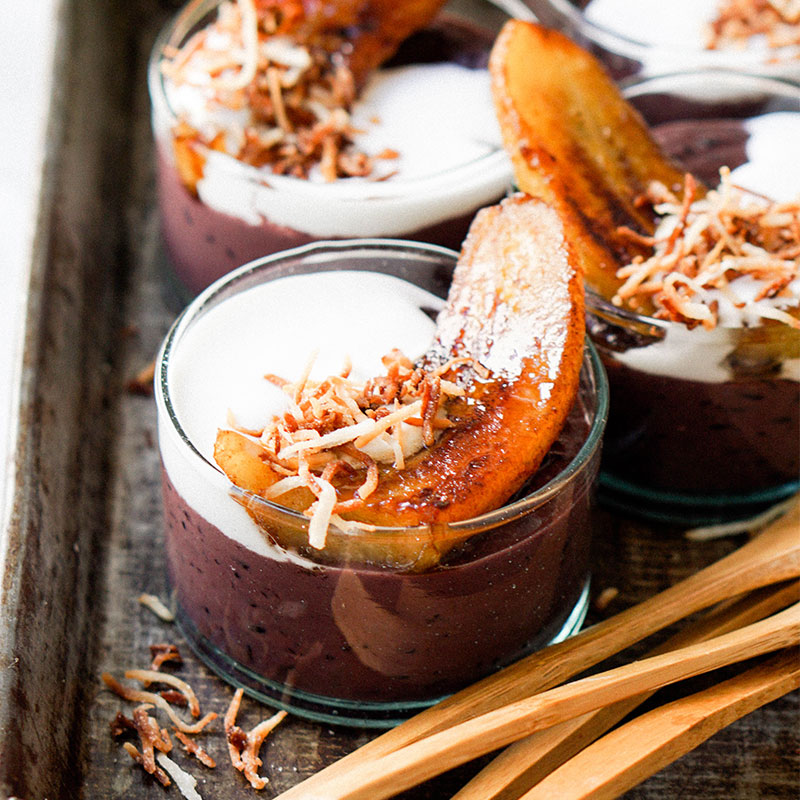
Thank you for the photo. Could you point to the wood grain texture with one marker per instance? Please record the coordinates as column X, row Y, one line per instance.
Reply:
column 86, row 537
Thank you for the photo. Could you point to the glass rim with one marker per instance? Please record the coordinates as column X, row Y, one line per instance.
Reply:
column 206, row 299
column 627, row 46
column 484, row 168
column 636, row 85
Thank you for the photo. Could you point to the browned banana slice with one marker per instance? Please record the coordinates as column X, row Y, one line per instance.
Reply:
column 515, row 306
column 574, row 140
column 374, row 28
column 577, row 143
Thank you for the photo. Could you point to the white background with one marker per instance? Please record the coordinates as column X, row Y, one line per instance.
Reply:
column 27, row 46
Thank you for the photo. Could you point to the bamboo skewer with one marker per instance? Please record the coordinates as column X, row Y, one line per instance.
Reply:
column 528, row 761
column 638, row 749
column 772, row 556
column 386, row 776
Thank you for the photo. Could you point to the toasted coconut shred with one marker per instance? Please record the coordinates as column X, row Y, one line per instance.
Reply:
column 140, row 696
column 186, row 783
column 155, row 742
column 343, row 427
column 163, row 652
column 730, row 258
column 737, row 22
column 269, row 100
column 243, row 748
column 156, row 605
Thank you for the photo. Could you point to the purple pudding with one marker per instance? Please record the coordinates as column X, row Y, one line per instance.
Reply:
column 382, row 620
column 413, row 156
column 373, row 634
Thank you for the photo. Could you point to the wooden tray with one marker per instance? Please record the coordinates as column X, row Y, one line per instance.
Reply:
column 85, row 536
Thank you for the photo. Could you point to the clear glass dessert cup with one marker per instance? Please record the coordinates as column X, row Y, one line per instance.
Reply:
column 703, row 426
column 239, row 212
column 378, row 624
column 632, row 55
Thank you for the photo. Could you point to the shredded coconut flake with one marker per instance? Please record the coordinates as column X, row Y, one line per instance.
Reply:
column 147, row 676
column 243, row 748
column 157, row 606
column 776, row 22
column 730, row 250
column 275, row 95
column 337, row 430
column 186, row 783
column 139, row 696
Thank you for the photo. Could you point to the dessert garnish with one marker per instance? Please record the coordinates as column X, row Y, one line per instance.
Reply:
column 194, row 749
column 736, row 22
column 488, row 399
column 279, row 78
column 163, row 651
column 343, row 427
column 186, row 783
column 140, row 696
column 577, row 143
column 243, row 747
column 155, row 742
column 730, row 248
column 157, row 606
column 663, row 243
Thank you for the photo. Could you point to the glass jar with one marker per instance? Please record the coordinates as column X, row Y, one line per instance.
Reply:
column 704, row 426
column 644, row 38
column 381, row 622
column 237, row 212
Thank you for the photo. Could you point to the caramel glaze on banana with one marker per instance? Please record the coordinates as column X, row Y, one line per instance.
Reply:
column 373, row 29
column 576, row 142
column 516, row 307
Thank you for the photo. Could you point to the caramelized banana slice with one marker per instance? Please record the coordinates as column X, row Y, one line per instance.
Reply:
column 242, row 460
column 575, row 141
column 374, row 28
column 516, row 307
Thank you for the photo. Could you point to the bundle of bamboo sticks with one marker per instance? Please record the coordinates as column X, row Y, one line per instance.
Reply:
column 559, row 735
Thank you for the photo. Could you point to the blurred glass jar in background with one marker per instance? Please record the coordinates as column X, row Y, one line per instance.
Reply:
column 643, row 38
column 425, row 153
column 704, row 423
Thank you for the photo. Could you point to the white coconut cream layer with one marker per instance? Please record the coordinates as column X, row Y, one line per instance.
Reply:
column 772, row 169
column 682, row 26
column 219, row 363
column 439, row 118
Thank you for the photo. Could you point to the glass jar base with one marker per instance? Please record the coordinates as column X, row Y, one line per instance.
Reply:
column 681, row 508
column 331, row 710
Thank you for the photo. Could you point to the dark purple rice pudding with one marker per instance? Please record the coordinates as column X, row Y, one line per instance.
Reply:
column 373, row 634
column 414, row 157
column 381, row 621
column 705, row 423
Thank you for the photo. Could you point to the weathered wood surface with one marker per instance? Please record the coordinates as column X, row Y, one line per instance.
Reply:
column 86, row 536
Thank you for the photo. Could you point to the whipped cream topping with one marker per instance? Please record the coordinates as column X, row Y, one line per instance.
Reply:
column 679, row 23
column 773, row 166
column 450, row 162
column 218, row 366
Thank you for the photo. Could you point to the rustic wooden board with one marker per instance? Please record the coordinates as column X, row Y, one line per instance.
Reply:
column 86, row 538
